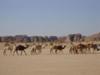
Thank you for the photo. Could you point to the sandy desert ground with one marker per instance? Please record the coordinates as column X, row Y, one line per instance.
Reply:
column 47, row 64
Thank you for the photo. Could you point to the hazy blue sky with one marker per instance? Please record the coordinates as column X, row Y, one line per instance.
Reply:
column 49, row 17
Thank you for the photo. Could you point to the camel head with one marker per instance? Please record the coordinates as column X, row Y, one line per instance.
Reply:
column 64, row 46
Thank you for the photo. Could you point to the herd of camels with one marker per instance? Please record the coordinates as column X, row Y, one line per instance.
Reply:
column 80, row 48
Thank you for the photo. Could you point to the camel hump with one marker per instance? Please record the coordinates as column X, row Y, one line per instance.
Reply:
column 6, row 44
column 20, row 47
column 58, row 47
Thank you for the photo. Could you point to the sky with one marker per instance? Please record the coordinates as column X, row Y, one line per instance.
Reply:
column 49, row 17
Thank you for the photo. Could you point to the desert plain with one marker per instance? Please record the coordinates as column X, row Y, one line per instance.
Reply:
column 49, row 64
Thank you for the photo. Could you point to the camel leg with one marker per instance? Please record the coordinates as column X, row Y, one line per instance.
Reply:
column 39, row 51
column 94, row 50
column 32, row 51
column 76, row 51
column 81, row 51
column 51, row 51
column 59, row 51
column 70, row 50
column 84, row 51
column 73, row 51
column 24, row 52
column 17, row 52
column 14, row 52
column 21, row 53
column 36, row 51
column 56, row 51
column 11, row 52
column 4, row 52
column 89, row 51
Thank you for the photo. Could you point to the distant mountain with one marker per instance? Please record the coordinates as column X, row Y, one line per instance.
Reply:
column 67, row 38
column 94, row 37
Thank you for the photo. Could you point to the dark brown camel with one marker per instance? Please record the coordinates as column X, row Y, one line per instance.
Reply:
column 20, row 48
column 57, row 48
column 82, row 48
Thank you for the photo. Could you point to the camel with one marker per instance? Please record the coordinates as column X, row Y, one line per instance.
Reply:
column 84, row 48
column 7, row 47
column 57, row 48
column 80, row 48
column 92, row 46
column 37, row 49
column 20, row 48
column 73, row 50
